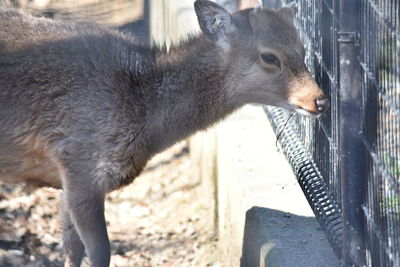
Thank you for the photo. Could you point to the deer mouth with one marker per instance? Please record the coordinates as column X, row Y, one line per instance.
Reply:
column 319, row 106
column 302, row 111
column 307, row 113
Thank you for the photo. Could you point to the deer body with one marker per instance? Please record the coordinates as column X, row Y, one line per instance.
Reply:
column 83, row 108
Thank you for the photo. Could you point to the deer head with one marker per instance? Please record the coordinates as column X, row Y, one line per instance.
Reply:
column 264, row 57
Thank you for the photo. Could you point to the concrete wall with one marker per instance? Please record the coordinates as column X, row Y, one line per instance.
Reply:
column 263, row 216
column 263, row 219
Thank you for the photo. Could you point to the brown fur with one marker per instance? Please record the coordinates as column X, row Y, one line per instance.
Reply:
column 83, row 107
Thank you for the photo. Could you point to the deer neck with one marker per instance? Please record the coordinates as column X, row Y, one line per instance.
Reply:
column 189, row 93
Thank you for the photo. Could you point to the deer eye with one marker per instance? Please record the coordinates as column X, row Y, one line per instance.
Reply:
column 271, row 59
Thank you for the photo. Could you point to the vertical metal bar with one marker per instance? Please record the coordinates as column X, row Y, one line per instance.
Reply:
column 146, row 21
column 352, row 162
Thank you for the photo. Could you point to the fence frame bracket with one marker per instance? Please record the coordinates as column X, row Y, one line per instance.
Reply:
column 349, row 37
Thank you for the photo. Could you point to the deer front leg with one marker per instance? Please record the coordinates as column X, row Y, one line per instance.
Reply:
column 86, row 210
column 73, row 246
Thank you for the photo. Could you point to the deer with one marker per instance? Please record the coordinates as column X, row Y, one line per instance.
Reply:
column 83, row 107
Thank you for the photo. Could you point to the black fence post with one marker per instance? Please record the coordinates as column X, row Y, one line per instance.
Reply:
column 352, row 163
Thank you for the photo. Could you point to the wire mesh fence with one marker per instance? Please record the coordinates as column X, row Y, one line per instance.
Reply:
column 380, row 63
column 353, row 51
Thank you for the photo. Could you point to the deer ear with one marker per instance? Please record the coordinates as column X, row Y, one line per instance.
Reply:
column 214, row 20
column 287, row 12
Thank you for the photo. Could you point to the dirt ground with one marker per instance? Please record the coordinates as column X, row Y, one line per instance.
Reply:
column 158, row 220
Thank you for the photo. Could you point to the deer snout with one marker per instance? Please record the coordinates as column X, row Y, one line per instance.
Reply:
column 306, row 96
column 322, row 104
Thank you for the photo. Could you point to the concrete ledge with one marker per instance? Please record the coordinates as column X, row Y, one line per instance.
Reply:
column 263, row 217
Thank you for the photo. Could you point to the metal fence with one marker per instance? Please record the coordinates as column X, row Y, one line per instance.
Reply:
column 348, row 160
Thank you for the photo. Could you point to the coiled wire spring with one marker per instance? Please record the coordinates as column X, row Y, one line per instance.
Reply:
column 309, row 177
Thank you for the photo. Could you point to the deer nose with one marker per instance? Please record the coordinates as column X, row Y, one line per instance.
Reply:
column 322, row 104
